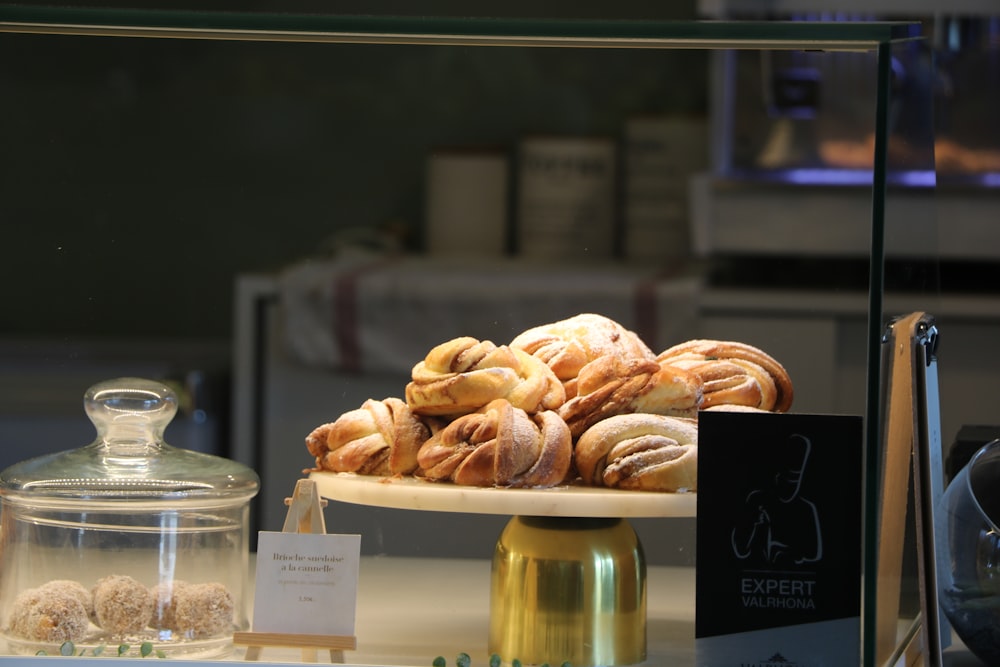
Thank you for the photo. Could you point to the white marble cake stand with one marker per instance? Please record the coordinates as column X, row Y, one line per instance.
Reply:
column 562, row 501
column 568, row 574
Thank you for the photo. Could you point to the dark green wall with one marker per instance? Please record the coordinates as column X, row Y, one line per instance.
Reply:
column 139, row 177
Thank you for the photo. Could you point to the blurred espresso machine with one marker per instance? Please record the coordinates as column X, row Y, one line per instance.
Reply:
column 790, row 127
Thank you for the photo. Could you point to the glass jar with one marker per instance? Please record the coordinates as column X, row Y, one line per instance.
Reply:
column 127, row 541
column 969, row 537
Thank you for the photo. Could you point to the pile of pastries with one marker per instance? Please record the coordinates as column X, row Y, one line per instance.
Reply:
column 578, row 401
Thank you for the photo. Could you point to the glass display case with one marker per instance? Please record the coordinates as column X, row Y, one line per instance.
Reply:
column 193, row 174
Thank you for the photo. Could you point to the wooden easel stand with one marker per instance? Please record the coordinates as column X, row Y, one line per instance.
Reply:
column 310, row 644
column 305, row 515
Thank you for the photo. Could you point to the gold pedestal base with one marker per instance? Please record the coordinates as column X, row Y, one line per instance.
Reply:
column 568, row 589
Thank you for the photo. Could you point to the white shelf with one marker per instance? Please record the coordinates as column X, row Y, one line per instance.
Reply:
column 411, row 610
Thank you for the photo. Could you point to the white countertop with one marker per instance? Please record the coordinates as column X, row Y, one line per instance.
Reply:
column 411, row 610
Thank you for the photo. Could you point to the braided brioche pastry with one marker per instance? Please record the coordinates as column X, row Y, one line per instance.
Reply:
column 640, row 452
column 499, row 445
column 734, row 374
column 379, row 438
column 464, row 374
column 612, row 385
column 568, row 345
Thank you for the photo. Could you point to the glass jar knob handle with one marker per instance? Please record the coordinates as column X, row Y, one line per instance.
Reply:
column 130, row 411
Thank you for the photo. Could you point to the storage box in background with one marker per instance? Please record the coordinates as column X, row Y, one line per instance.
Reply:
column 661, row 155
column 467, row 192
column 566, row 197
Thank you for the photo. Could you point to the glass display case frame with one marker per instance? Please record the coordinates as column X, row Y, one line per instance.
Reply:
column 878, row 38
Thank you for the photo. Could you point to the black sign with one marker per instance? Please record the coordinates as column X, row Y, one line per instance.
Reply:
column 778, row 536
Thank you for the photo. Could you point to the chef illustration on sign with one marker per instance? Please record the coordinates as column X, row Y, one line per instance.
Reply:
column 777, row 526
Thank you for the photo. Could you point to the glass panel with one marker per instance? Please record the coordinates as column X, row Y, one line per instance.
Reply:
column 253, row 218
column 912, row 251
column 792, row 125
column 322, row 27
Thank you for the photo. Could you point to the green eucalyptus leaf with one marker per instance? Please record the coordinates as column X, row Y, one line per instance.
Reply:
column 123, row 649
column 495, row 660
column 145, row 649
column 67, row 648
column 463, row 660
column 99, row 650
column 439, row 662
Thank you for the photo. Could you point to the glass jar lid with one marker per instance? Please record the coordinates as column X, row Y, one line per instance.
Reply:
column 129, row 459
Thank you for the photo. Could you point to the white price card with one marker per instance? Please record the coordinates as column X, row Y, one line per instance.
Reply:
column 307, row 583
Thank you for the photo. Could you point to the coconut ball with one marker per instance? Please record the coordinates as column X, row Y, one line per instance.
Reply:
column 122, row 605
column 48, row 615
column 204, row 610
column 164, row 596
column 74, row 588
